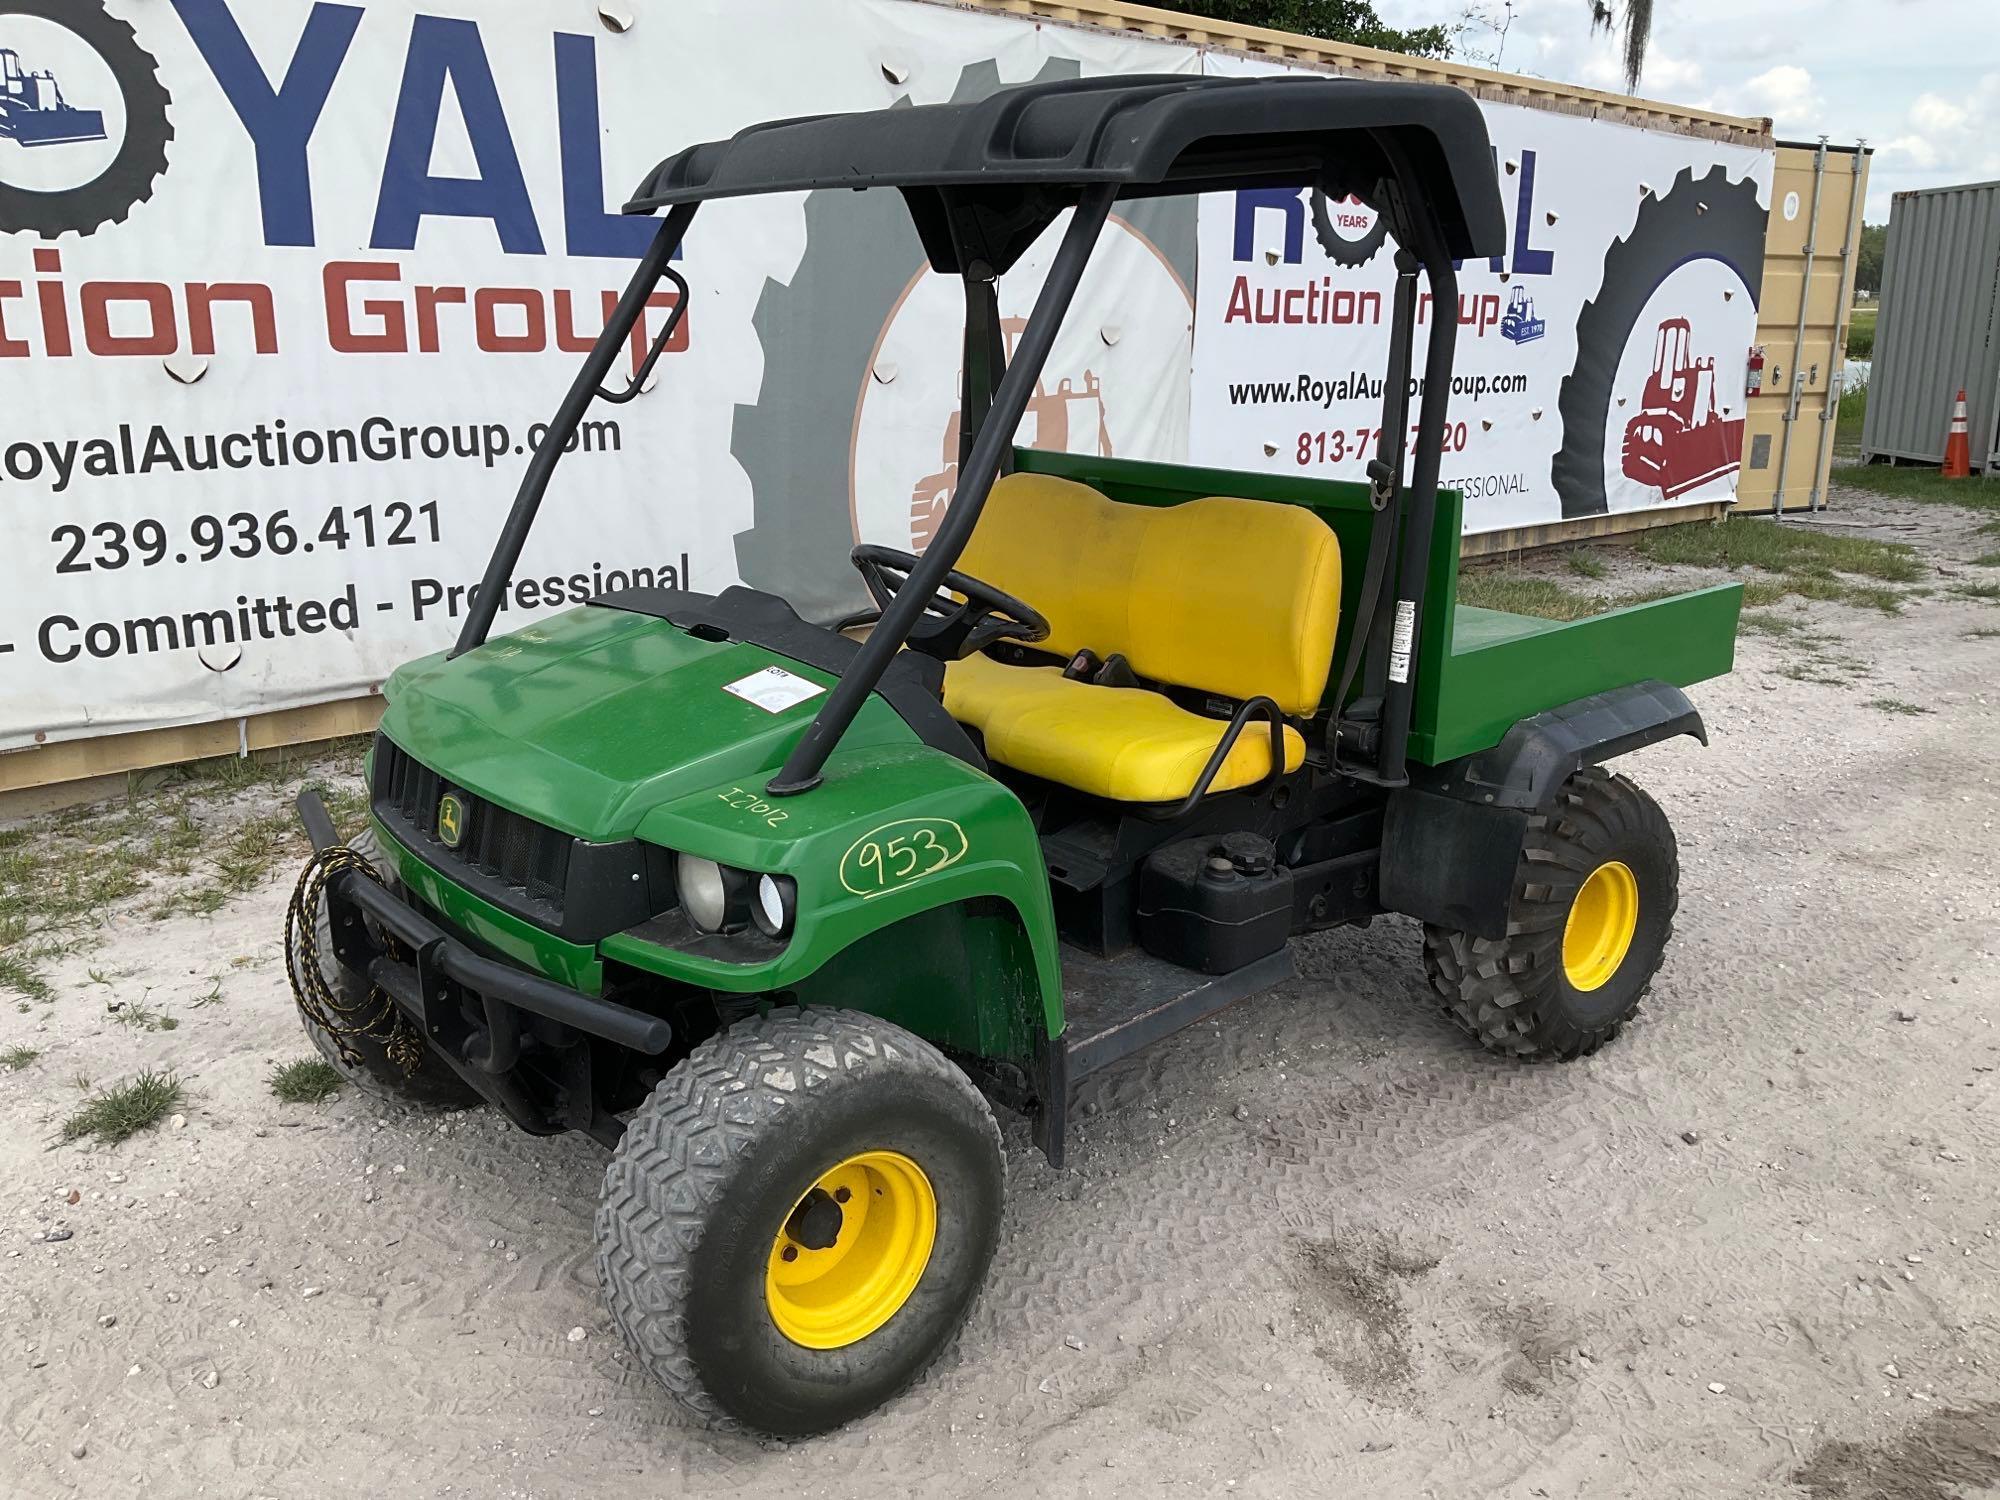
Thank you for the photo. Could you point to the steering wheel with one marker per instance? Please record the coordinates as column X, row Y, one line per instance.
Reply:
column 950, row 629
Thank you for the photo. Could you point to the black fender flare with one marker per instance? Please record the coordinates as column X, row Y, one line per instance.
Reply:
column 1534, row 758
column 1451, row 840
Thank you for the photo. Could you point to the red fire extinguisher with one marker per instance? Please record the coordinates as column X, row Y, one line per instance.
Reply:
column 1754, row 374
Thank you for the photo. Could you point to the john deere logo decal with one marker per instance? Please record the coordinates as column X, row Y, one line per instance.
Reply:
column 451, row 820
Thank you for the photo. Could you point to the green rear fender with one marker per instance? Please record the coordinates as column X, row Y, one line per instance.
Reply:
column 922, row 897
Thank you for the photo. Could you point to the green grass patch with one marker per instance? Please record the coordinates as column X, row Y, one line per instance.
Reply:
column 1517, row 593
column 1915, row 482
column 1791, row 559
column 140, row 1016
column 1524, row 594
column 1837, row 591
column 1898, row 706
column 16, row 1058
column 1861, row 332
column 188, row 839
column 1825, row 671
column 20, row 975
column 310, row 1080
column 1751, row 623
column 1852, row 412
column 110, row 1115
column 1779, row 547
column 1986, row 591
column 1987, row 560
column 1586, row 564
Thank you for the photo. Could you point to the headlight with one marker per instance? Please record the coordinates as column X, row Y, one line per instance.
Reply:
column 777, row 903
column 704, row 889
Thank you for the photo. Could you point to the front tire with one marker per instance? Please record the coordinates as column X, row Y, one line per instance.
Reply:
column 797, row 1221
column 1592, row 912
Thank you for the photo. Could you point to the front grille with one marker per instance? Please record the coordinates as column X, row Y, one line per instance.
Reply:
column 530, row 860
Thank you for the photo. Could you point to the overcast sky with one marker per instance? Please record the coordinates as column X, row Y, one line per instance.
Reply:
column 1919, row 80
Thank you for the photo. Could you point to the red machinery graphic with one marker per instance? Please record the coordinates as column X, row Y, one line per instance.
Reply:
column 1051, row 414
column 33, row 111
column 1679, row 441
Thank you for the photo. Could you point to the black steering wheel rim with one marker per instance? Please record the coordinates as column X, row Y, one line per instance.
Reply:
column 950, row 629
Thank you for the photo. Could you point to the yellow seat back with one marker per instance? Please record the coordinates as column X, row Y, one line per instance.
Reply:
column 1235, row 597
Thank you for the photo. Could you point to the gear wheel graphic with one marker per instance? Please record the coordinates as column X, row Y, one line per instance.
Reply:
column 142, row 156
column 1339, row 249
column 1706, row 218
column 818, row 331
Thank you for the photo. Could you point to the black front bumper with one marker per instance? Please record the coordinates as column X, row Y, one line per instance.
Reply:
column 469, row 1008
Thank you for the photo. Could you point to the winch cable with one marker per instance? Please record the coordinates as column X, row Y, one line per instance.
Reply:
column 375, row 1016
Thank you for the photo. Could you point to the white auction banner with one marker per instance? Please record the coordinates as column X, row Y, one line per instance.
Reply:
column 1601, row 359
column 286, row 289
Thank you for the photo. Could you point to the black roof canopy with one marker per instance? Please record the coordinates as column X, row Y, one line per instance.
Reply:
column 985, row 179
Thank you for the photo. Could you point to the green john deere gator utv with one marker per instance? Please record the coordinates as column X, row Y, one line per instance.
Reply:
column 777, row 913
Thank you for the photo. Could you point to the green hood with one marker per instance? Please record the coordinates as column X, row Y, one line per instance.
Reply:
column 590, row 719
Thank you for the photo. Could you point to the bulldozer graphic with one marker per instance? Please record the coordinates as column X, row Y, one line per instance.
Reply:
column 1519, row 325
column 33, row 111
column 1050, row 411
column 1679, row 441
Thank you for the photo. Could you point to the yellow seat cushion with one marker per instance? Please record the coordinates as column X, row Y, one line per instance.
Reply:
column 1240, row 598
column 1127, row 744
column 1235, row 597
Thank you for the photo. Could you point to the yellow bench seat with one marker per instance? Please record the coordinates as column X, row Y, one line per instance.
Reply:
column 1233, row 598
column 1127, row 744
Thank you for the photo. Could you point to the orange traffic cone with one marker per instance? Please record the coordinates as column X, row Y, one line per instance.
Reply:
column 1957, row 445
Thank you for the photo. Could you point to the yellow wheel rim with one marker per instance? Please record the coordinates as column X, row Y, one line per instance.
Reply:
column 1600, row 927
column 851, row 1251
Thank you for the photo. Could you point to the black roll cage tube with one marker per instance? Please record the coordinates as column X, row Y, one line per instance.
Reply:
column 653, row 265
column 994, row 399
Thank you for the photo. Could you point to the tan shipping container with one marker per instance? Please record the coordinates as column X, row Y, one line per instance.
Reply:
column 1810, row 251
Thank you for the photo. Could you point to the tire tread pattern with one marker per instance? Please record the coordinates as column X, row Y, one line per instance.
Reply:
column 1499, row 990
column 683, row 1146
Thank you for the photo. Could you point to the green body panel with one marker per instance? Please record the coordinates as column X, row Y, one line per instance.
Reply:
column 499, row 933
column 979, row 947
column 952, row 833
column 589, row 720
column 611, row 725
column 1485, row 671
column 1479, row 671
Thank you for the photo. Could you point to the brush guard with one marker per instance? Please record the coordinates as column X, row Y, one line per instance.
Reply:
column 450, row 994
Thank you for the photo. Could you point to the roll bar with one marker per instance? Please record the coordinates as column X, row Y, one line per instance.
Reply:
column 992, row 412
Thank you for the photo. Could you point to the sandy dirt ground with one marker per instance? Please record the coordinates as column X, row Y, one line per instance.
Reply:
column 1319, row 1246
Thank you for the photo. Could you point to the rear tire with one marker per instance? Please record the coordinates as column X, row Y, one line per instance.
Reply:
column 713, row 1184
column 433, row 1085
column 1569, row 974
